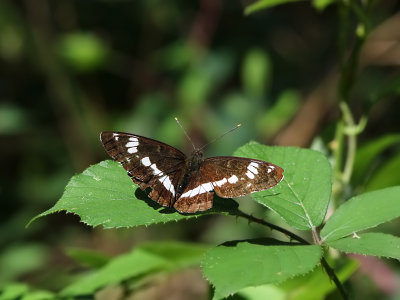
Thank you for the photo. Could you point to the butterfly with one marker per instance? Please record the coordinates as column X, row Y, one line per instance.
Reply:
column 187, row 183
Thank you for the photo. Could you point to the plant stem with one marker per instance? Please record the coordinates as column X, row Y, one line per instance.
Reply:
column 351, row 144
column 286, row 232
column 331, row 273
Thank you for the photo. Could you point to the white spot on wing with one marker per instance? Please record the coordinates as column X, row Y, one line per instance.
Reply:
column 254, row 164
column 191, row 193
column 220, row 182
column 252, row 167
column 132, row 150
column 233, row 179
column 146, row 161
column 132, row 144
column 250, row 175
column 133, row 139
column 156, row 171
column 201, row 189
column 207, row 186
column 167, row 184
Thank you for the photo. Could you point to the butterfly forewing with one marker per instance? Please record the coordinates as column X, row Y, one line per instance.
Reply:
column 187, row 185
column 238, row 176
column 149, row 163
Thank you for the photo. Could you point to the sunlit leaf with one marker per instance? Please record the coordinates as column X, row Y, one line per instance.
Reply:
column 126, row 266
column 13, row 290
column 264, row 4
column 39, row 295
column 372, row 243
column 362, row 212
column 262, row 292
column 104, row 195
column 322, row 4
column 302, row 198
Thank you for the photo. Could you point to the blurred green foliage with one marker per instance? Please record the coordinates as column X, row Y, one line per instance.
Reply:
column 70, row 69
column 83, row 52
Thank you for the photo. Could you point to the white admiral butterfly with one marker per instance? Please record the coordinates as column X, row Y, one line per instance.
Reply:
column 187, row 183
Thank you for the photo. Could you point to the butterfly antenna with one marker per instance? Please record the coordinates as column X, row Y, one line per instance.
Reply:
column 222, row 135
column 188, row 137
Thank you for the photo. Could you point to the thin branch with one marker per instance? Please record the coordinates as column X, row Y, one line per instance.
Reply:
column 286, row 232
column 332, row 275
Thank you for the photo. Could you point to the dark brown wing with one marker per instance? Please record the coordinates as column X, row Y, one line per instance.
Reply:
column 149, row 163
column 197, row 196
column 238, row 176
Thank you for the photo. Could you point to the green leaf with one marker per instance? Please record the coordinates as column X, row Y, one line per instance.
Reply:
column 263, row 4
column 147, row 258
column 372, row 243
column 83, row 51
column 368, row 152
column 88, row 257
column 13, row 290
column 302, row 197
column 315, row 285
column 203, row 78
column 362, row 212
column 179, row 254
column 236, row 265
column 262, row 292
column 387, row 175
column 322, row 4
column 21, row 259
column 104, row 195
column 285, row 107
column 39, row 295
column 126, row 266
column 256, row 72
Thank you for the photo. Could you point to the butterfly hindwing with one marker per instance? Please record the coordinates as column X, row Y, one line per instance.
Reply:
column 238, row 176
column 149, row 163
column 197, row 196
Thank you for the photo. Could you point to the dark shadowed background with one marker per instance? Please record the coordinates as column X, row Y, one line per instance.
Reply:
column 71, row 69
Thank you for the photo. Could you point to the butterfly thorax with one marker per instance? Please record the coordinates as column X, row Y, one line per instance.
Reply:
column 192, row 166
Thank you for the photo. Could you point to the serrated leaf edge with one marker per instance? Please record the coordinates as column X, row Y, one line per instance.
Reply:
column 276, row 282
